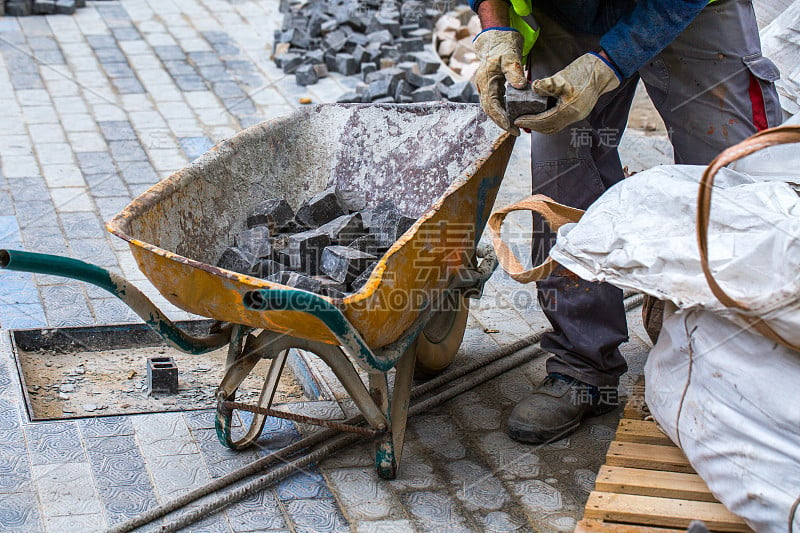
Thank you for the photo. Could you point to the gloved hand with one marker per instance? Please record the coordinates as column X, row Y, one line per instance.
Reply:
column 500, row 52
column 577, row 87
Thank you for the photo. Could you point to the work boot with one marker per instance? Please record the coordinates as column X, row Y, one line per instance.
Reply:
column 556, row 408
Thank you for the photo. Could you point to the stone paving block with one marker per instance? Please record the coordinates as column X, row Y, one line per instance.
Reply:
column 194, row 147
column 20, row 166
column 15, row 467
column 362, row 494
column 116, row 461
column 175, row 475
column 435, row 430
column 22, row 316
column 66, row 306
column 476, row 486
column 86, row 523
column 258, row 512
column 54, row 442
column 385, row 526
column 139, row 172
column 95, row 251
column 82, row 225
column 163, row 434
column 113, row 311
column 435, row 511
column 96, row 163
column 124, row 151
column 316, row 516
column 117, row 130
column 126, row 501
column 65, row 489
column 106, row 185
column 509, row 459
column 105, row 426
column 71, row 199
column 60, row 153
column 110, row 206
column 303, row 485
column 20, row 512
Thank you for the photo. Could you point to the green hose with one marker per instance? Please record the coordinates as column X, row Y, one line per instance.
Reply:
column 67, row 267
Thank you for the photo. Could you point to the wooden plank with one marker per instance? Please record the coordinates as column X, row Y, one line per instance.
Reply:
column 648, row 457
column 635, row 407
column 665, row 512
column 641, row 431
column 588, row 525
column 653, row 483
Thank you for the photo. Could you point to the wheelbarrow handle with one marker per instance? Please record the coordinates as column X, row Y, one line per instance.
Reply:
column 67, row 267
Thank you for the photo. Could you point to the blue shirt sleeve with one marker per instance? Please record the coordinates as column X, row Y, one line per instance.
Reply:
column 644, row 32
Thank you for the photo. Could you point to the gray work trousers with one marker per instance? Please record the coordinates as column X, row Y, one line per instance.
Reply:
column 713, row 89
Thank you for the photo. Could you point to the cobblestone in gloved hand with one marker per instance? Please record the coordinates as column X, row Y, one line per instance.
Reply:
column 577, row 87
column 500, row 52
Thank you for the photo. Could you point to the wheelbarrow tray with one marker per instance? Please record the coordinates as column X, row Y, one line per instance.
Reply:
column 442, row 163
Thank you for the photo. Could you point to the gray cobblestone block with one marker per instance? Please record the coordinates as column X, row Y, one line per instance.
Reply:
column 126, row 34
column 288, row 259
column 18, row 8
column 411, row 44
column 346, row 64
column 330, row 287
column 461, row 91
column 306, row 75
column 524, row 102
column 65, row 7
column 344, row 264
column 361, row 280
column 274, row 212
column 314, row 56
column 255, row 241
column 335, row 40
column 427, row 63
column 204, row 59
column 296, row 280
column 426, row 94
column 344, row 229
column 309, row 245
column 236, row 260
column 418, row 80
column 101, row 41
column 379, row 88
column 350, row 97
column 403, row 89
column 319, row 209
column 265, row 268
column 44, row 7
column 169, row 53
column 321, row 69
column 367, row 69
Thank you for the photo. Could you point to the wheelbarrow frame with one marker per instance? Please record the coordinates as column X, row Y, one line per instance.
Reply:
column 332, row 329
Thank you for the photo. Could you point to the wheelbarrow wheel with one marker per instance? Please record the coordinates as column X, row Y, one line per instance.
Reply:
column 438, row 343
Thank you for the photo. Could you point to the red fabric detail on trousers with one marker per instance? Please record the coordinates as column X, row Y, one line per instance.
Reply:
column 757, row 101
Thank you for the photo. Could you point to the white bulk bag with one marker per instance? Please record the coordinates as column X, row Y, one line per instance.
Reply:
column 729, row 398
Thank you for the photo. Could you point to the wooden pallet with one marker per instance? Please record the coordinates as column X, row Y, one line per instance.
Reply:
column 647, row 485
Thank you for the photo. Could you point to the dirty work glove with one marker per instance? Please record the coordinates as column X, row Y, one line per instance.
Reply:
column 577, row 87
column 500, row 52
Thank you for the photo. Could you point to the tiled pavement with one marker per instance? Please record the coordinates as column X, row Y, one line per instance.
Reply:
column 95, row 108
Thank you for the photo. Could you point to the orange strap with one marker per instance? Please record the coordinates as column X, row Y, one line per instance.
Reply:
column 759, row 141
column 556, row 216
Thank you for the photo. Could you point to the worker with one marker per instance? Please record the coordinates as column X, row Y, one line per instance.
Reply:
column 702, row 66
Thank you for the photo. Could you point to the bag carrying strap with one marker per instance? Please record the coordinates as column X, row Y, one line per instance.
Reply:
column 759, row 141
column 556, row 216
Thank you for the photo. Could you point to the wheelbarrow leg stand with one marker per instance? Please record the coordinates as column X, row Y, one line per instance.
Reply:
column 389, row 450
column 244, row 353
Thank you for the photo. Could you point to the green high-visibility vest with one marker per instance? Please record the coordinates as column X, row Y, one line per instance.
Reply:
column 521, row 19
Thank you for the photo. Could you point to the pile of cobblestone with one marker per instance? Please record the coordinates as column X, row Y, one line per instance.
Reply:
column 324, row 247
column 23, row 8
column 382, row 43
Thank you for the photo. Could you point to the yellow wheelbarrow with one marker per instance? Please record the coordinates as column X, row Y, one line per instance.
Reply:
column 441, row 163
